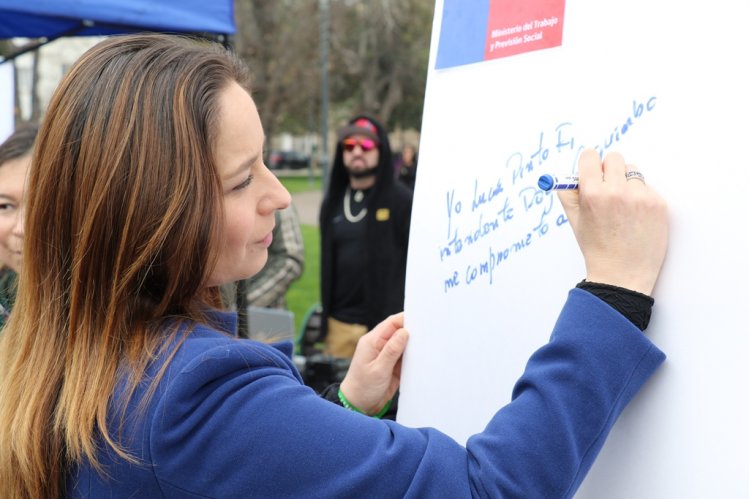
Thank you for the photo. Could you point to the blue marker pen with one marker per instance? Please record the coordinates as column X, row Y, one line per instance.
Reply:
column 551, row 182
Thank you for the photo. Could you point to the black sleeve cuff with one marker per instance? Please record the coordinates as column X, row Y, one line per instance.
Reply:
column 330, row 393
column 635, row 306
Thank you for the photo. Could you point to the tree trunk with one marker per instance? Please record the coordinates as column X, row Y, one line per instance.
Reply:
column 36, row 108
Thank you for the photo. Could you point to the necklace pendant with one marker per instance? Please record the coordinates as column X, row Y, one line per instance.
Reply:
column 347, row 207
column 358, row 196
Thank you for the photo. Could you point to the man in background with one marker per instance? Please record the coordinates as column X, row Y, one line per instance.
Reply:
column 405, row 167
column 364, row 225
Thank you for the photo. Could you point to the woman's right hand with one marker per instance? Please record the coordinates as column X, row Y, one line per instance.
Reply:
column 621, row 224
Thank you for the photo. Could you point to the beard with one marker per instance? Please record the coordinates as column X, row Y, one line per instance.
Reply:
column 369, row 172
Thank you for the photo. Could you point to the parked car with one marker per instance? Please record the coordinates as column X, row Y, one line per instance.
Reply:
column 288, row 159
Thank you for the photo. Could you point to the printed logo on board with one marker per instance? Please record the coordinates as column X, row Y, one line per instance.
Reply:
column 482, row 30
column 518, row 26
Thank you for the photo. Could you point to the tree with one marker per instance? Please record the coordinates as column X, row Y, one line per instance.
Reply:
column 378, row 59
column 381, row 50
column 278, row 39
column 7, row 48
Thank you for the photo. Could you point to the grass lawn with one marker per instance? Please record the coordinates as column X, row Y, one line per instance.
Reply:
column 305, row 292
column 301, row 184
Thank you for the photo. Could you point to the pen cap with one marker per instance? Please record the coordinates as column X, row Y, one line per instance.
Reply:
column 546, row 182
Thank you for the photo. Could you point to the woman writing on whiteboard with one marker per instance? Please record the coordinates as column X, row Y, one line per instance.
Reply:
column 120, row 378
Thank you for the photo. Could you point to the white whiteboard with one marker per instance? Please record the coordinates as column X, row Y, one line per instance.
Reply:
column 675, row 74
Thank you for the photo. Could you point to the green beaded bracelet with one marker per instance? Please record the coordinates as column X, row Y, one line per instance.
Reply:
column 348, row 405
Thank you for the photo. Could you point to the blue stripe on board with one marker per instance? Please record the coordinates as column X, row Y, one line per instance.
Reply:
column 463, row 33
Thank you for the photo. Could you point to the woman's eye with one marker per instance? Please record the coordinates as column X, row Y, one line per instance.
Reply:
column 7, row 207
column 244, row 184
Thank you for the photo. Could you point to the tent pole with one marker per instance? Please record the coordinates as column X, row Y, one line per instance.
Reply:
column 45, row 40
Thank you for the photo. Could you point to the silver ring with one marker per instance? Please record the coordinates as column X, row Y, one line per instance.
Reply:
column 635, row 175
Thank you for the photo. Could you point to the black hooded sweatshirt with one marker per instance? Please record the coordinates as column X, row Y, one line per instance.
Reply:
column 388, row 220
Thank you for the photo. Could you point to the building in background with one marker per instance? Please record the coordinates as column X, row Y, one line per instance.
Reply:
column 6, row 101
column 38, row 72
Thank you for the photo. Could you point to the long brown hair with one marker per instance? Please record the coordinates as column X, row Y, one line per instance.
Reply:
column 122, row 218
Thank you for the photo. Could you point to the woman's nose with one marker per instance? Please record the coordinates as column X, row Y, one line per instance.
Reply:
column 276, row 197
column 18, row 229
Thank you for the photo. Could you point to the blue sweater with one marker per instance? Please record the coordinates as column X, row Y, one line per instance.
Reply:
column 231, row 418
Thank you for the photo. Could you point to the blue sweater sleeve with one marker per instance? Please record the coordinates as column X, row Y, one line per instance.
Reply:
column 564, row 405
column 234, row 421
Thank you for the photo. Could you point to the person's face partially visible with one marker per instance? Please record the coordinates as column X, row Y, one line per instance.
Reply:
column 360, row 153
column 408, row 154
column 12, row 179
column 252, row 194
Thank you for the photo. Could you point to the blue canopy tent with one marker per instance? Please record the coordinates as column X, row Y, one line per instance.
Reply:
column 52, row 19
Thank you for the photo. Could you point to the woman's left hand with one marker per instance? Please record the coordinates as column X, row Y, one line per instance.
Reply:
column 374, row 374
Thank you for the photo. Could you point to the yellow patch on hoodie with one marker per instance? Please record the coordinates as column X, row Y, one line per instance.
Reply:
column 382, row 214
